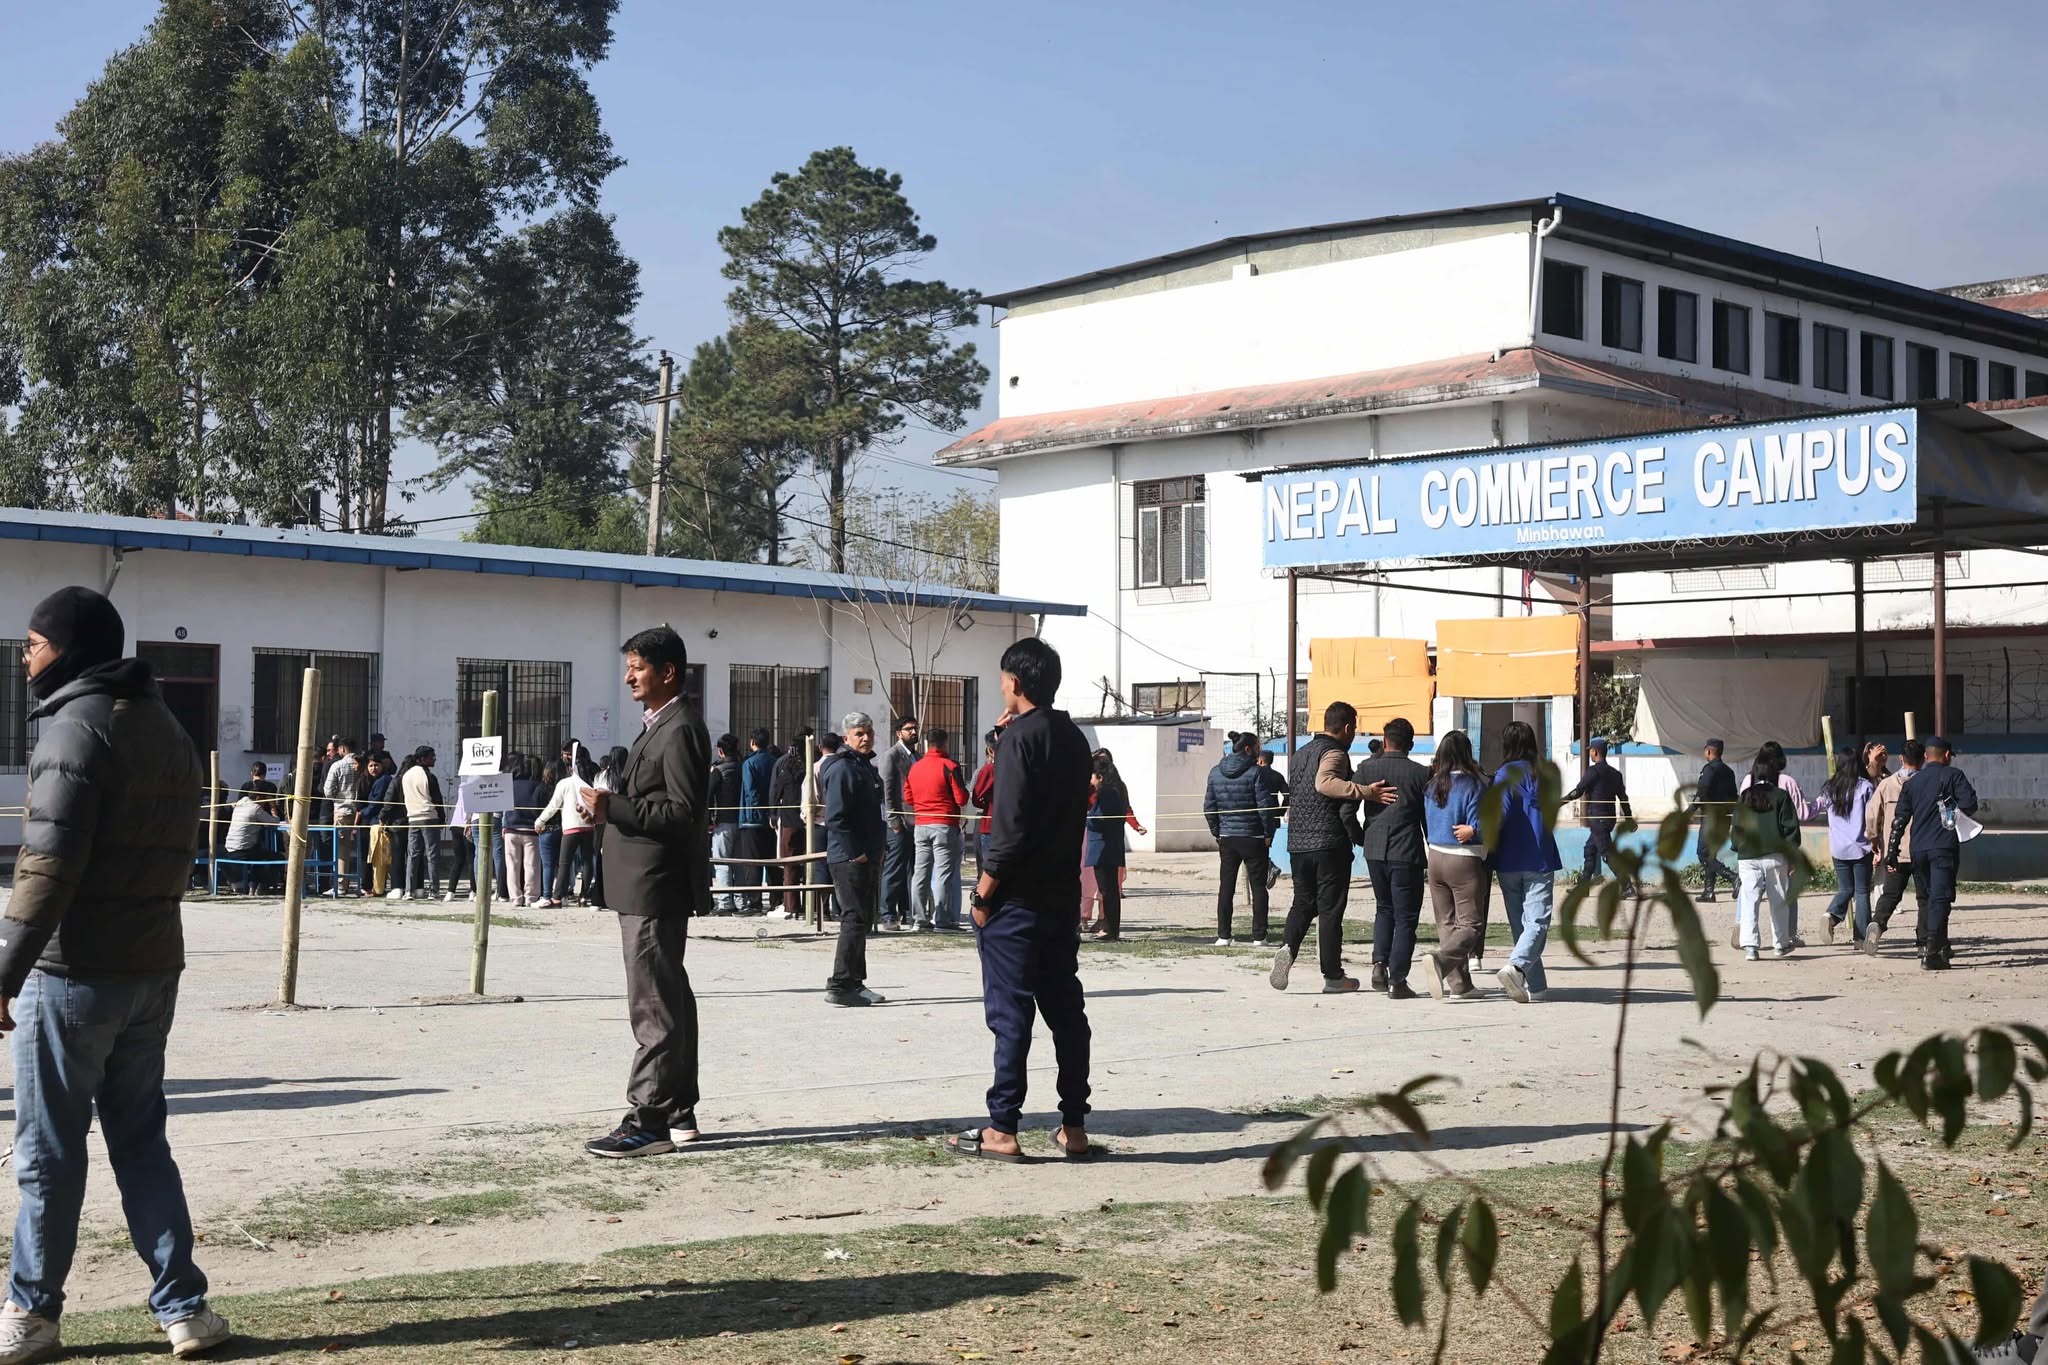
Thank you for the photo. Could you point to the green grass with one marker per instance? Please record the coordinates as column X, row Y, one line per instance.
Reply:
column 1224, row 1281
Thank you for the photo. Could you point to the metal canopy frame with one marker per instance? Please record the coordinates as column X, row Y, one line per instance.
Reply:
column 1989, row 490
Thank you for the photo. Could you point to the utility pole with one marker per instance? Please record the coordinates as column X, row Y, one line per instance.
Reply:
column 660, row 485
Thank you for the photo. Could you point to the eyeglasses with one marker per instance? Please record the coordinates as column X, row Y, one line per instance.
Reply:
column 30, row 648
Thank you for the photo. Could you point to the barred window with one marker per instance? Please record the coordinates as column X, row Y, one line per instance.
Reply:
column 348, row 697
column 533, row 702
column 13, row 707
column 1170, row 699
column 1173, row 540
column 780, row 700
column 941, row 702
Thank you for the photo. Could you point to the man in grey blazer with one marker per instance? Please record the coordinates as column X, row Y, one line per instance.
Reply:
column 657, row 872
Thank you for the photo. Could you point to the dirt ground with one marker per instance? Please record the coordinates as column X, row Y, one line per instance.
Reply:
column 387, row 1129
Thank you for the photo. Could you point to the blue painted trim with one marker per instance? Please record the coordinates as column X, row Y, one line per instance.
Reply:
column 1966, row 744
column 640, row 571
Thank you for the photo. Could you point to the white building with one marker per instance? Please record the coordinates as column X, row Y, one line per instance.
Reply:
column 1134, row 397
column 409, row 634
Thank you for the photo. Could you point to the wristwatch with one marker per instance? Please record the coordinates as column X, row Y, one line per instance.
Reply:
column 981, row 902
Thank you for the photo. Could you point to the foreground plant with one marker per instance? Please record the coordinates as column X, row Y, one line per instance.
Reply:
column 1782, row 1175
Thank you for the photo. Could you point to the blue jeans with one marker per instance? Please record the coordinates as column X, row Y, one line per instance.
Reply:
column 1852, row 879
column 80, row 1044
column 1528, row 897
column 1030, row 963
column 937, row 871
column 550, row 849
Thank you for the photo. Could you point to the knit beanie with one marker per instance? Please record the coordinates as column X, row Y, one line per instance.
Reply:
column 85, row 630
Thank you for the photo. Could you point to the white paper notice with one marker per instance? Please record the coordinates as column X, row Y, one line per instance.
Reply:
column 488, row 793
column 481, row 755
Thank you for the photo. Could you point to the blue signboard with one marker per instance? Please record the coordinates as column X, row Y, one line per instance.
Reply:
column 1812, row 474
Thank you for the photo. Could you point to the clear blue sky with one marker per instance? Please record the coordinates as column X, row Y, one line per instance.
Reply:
column 1040, row 140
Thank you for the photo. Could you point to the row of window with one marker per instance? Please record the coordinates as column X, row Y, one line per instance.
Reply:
column 1784, row 359
column 533, row 698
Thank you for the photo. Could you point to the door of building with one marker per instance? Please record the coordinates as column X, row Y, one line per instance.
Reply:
column 189, row 676
column 1484, row 721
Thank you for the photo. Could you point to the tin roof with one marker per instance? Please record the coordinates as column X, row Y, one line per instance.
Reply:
column 1483, row 376
column 645, row 571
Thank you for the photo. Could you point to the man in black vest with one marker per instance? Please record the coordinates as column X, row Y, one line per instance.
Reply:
column 1394, row 858
column 1715, row 795
column 1322, row 825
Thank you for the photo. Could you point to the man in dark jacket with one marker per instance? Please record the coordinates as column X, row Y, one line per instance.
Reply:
column 1606, row 800
column 1242, row 813
column 725, row 821
column 1027, row 906
column 1395, row 858
column 899, row 897
column 91, row 949
column 855, row 844
column 1715, row 795
column 657, row 873
column 786, row 813
column 1929, row 803
column 1322, row 825
column 756, row 839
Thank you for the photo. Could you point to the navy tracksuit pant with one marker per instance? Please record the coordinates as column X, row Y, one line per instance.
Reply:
column 1030, row 964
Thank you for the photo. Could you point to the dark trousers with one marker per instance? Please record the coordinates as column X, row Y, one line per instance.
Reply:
column 1030, row 963
column 756, row 841
column 1242, row 850
column 1895, row 880
column 1711, row 867
column 423, row 859
column 1937, row 871
column 1600, row 845
column 898, row 905
column 1397, row 908
column 853, row 886
column 1110, row 922
column 789, row 842
column 578, row 845
column 1322, row 885
column 661, row 1089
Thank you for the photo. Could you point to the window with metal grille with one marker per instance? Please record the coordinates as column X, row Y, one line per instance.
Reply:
column 942, row 702
column 1169, row 699
column 780, row 700
column 13, row 707
column 533, row 702
column 1173, row 525
column 1745, row 579
column 1914, row 569
column 348, row 697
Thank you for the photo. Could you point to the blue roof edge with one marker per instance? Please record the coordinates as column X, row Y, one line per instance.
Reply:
column 701, row 576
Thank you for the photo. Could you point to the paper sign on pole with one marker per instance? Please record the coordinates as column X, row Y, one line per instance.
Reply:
column 487, row 793
column 481, row 755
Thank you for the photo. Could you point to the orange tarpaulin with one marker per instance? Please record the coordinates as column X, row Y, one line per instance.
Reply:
column 1382, row 678
column 1500, row 657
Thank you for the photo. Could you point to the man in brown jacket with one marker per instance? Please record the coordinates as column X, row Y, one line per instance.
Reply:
column 1877, row 824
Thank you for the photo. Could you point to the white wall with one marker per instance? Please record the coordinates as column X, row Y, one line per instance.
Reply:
column 1370, row 313
column 1166, row 770
column 420, row 623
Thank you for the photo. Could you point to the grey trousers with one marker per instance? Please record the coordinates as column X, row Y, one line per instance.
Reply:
column 661, row 1089
column 1459, row 891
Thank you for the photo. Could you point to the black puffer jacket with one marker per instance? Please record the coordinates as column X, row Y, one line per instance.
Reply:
column 1239, row 802
column 114, row 792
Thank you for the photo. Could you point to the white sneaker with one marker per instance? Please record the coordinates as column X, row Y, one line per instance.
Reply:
column 1514, row 983
column 778, row 914
column 1749, row 954
column 1260, row 943
column 25, row 1336
column 398, row 895
column 199, row 1333
column 448, row 899
column 1432, row 974
column 1221, row 943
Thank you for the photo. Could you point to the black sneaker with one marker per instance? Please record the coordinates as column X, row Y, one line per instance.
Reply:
column 1339, row 985
column 627, row 1140
column 1379, row 976
column 1401, row 990
column 849, row 999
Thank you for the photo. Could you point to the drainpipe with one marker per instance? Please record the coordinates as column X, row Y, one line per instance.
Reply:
column 1544, row 228
column 1372, row 452
column 114, row 573
column 1500, row 571
column 1116, row 540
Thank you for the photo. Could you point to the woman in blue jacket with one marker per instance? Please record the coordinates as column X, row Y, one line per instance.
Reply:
column 1104, row 853
column 1459, row 882
column 1526, row 859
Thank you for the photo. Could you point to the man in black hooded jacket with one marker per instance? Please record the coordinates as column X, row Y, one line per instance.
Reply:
column 91, row 947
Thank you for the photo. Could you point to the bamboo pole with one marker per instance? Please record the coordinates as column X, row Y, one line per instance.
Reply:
column 295, row 854
column 1912, row 725
column 213, row 827
column 1827, row 738
column 480, row 941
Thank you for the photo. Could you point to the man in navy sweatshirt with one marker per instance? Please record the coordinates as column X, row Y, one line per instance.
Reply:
column 1027, row 905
